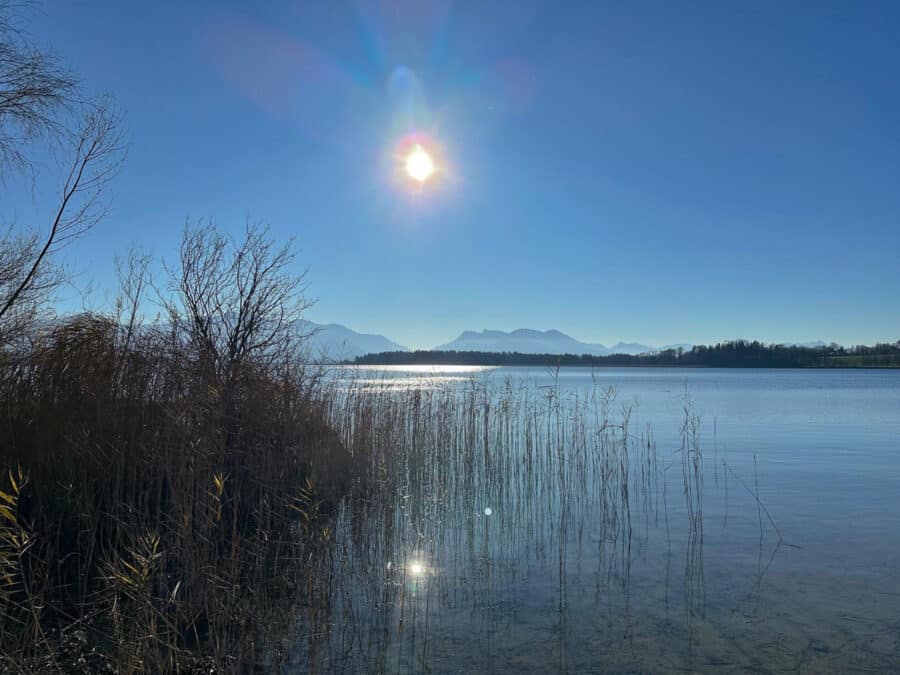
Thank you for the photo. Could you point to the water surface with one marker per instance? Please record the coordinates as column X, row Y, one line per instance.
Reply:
column 531, row 534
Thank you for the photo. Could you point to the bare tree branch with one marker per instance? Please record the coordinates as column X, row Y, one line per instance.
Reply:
column 39, row 100
column 35, row 90
column 98, row 154
column 237, row 302
column 134, row 277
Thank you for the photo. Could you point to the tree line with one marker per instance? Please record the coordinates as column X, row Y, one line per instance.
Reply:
column 730, row 354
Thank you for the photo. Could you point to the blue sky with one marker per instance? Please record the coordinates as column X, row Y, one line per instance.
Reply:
column 656, row 172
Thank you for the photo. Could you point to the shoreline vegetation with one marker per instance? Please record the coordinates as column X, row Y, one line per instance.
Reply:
column 733, row 354
column 166, row 489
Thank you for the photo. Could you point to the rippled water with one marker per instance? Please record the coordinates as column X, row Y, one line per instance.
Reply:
column 737, row 520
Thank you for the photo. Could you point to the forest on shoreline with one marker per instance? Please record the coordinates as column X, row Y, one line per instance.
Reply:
column 732, row 354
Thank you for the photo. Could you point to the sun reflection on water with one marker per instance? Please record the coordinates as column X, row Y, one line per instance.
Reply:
column 409, row 377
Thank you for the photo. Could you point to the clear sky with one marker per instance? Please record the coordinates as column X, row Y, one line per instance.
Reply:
column 657, row 172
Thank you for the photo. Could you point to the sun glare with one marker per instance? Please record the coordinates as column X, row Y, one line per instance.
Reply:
column 419, row 165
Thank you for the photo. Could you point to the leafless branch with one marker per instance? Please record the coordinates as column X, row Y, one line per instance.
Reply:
column 97, row 155
column 35, row 90
column 134, row 278
column 238, row 301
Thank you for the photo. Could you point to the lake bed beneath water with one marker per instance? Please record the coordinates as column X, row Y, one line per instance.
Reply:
column 734, row 520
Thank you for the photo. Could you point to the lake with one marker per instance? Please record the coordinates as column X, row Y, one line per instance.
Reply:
column 618, row 520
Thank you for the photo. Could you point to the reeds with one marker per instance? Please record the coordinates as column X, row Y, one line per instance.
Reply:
column 139, row 530
column 465, row 480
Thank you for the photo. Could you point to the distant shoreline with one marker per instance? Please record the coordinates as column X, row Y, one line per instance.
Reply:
column 736, row 354
column 633, row 365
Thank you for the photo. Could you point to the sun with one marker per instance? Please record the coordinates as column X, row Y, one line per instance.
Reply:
column 419, row 165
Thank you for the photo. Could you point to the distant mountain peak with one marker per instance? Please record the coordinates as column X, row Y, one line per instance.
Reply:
column 528, row 341
column 335, row 342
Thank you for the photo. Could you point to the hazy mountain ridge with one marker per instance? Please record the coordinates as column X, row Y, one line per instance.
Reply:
column 530, row 341
column 336, row 342
column 523, row 340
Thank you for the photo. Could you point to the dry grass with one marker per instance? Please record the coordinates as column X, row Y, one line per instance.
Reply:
column 141, row 527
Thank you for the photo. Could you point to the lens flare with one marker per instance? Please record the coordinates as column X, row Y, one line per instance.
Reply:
column 419, row 165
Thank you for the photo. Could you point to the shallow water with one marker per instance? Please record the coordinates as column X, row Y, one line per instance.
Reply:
column 764, row 537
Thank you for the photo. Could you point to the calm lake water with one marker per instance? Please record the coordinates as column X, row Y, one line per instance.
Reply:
column 764, row 535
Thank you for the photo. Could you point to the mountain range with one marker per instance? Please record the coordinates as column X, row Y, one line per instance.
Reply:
column 528, row 341
column 336, row 342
